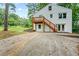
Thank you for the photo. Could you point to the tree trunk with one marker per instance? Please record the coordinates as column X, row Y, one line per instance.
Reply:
column 6, row 17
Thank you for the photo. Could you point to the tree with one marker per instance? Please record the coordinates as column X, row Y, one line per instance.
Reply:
column 1, row 15
column 7, row 5
column 41, row 5
column 31, row 8
column 34, row 7
column 13, row 19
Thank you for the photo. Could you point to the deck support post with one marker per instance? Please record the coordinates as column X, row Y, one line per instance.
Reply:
column 33, row 23
column 43, row 25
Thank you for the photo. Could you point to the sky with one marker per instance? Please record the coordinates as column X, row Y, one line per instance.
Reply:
column 21, row 10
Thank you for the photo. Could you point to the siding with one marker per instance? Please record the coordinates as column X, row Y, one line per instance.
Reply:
column 55, row 11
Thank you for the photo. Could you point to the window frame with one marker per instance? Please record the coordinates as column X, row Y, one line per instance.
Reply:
column 50, row 8
column 51, row 15
column 62, row 15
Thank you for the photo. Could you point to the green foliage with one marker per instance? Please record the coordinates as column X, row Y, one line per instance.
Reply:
column 33, row 7
column 26, row 22
column 41, row 5
column 6, row 13
column 13, row 19
column 15, row 28
column 1, row 16
column 12, row 7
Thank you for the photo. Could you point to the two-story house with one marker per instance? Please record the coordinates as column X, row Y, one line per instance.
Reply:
column 53, row 18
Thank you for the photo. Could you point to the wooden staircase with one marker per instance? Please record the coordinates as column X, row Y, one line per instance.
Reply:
column 50, row 24
column 44, row 21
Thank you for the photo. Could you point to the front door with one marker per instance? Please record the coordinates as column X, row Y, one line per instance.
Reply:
column 39, row 27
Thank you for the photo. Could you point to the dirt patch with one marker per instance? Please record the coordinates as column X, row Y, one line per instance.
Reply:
column 14, row 50
column 6, row 34
column 70, row 36
column 40, row 44
column 77, row 49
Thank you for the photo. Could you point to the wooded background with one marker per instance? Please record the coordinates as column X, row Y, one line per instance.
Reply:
column 15, row 20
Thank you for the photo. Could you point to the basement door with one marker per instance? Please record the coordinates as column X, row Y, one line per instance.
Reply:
column 39, row 27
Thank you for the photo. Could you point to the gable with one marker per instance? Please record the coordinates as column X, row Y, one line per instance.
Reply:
column 55, row 8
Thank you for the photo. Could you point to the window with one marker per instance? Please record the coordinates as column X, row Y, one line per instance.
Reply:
column 64, row 15
column 51, row 15
column 63, row 27
column 39, row 26
column 60, row 15
column 50, row 8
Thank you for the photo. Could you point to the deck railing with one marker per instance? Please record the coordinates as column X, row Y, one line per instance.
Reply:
column 44, row 20
column 37, row 19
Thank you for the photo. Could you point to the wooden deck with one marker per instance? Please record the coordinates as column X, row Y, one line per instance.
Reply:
column 43, row 20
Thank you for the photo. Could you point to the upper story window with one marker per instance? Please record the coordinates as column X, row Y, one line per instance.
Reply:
column 51, row 15
column 50, row 7
column 62, row 15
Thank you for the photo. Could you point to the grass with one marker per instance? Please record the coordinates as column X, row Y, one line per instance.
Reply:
column 13, row 30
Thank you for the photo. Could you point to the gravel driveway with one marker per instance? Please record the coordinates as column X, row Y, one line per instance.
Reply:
column 40, row 44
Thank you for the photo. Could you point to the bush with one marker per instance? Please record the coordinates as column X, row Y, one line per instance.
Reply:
column 75, row 30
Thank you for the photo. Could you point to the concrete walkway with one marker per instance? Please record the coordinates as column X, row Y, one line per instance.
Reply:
column 40, row 44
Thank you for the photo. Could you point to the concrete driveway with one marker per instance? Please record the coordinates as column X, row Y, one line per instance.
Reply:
column 40, row 44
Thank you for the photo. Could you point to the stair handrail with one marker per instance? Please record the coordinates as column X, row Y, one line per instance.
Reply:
column 50, row 22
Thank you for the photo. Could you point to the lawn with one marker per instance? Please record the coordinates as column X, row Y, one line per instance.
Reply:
column 13, row 30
